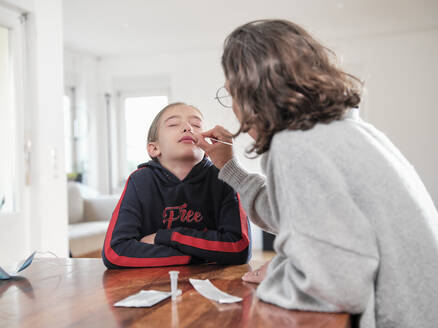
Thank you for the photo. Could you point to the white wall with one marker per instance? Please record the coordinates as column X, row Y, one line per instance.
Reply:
column 43, row 223
column 18, row 5
column 48, row 213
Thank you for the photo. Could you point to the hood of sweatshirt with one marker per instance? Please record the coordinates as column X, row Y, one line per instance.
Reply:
column 196, row 174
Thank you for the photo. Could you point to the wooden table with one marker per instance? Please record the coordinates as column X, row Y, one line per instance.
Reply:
column 81, row 293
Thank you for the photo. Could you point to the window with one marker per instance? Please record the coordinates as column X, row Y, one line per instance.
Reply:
column 75, row 137
column 139, row 114
column 68, row 135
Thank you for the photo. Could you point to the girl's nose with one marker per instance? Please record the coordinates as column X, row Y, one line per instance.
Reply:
column 188, row 128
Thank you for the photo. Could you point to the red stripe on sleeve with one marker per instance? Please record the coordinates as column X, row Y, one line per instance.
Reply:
column 116, row 259
column 243, row 220
column 219, row 246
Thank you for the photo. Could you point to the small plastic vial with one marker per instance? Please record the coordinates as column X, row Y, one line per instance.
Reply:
column 174, row 284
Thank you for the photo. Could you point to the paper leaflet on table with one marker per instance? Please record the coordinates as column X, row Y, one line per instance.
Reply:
column 145, row 298
column 210, row 291
column 6, row 273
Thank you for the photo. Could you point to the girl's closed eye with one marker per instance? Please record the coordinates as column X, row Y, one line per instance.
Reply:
column 196, row 124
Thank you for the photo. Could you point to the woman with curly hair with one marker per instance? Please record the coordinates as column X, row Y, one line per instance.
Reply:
column 356, row 230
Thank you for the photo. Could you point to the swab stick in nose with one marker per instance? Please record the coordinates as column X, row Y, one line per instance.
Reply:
column 224, row 142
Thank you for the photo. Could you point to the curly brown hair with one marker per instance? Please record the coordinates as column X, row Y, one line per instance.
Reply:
column 281, row 78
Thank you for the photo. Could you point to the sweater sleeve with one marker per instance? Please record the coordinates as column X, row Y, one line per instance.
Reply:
column 327, row 255
column 254, row 193
column 122, row 246
column 229, row 243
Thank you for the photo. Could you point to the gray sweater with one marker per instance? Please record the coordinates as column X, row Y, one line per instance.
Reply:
column 356, row 230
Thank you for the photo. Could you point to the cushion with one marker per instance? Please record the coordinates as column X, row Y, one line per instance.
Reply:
column 100, row 208
column 86, row 237
column 80, row 230
column 75, row 203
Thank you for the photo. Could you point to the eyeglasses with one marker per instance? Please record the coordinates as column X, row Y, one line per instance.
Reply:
column 224, row 98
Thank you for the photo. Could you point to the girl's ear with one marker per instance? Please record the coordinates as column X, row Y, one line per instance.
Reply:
column 153, row 149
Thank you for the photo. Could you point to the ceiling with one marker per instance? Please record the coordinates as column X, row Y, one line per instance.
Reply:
column 131, row 27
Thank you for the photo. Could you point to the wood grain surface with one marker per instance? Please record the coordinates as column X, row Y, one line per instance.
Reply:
column 81, row 293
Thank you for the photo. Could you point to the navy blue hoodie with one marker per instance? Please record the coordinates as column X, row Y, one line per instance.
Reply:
column 198, row 219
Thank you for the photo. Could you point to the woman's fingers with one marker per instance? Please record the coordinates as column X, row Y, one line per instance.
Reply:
column 200, row 141
column 258, row 275
column 253, row 276
column 218, row 152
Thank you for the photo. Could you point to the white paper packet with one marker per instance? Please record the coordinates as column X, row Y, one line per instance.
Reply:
column 210, row 291
column 144, row 298
column 8, row 273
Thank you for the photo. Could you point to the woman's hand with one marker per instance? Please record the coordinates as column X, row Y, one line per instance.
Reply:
column 218, row 152
column 256, row 276
column 149, row 239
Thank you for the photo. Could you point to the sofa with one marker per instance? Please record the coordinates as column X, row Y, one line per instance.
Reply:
column 89, row 214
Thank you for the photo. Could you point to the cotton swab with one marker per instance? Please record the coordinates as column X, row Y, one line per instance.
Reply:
column 224, row 142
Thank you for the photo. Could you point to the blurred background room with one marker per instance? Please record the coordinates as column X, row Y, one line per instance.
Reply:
column 81, row 80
